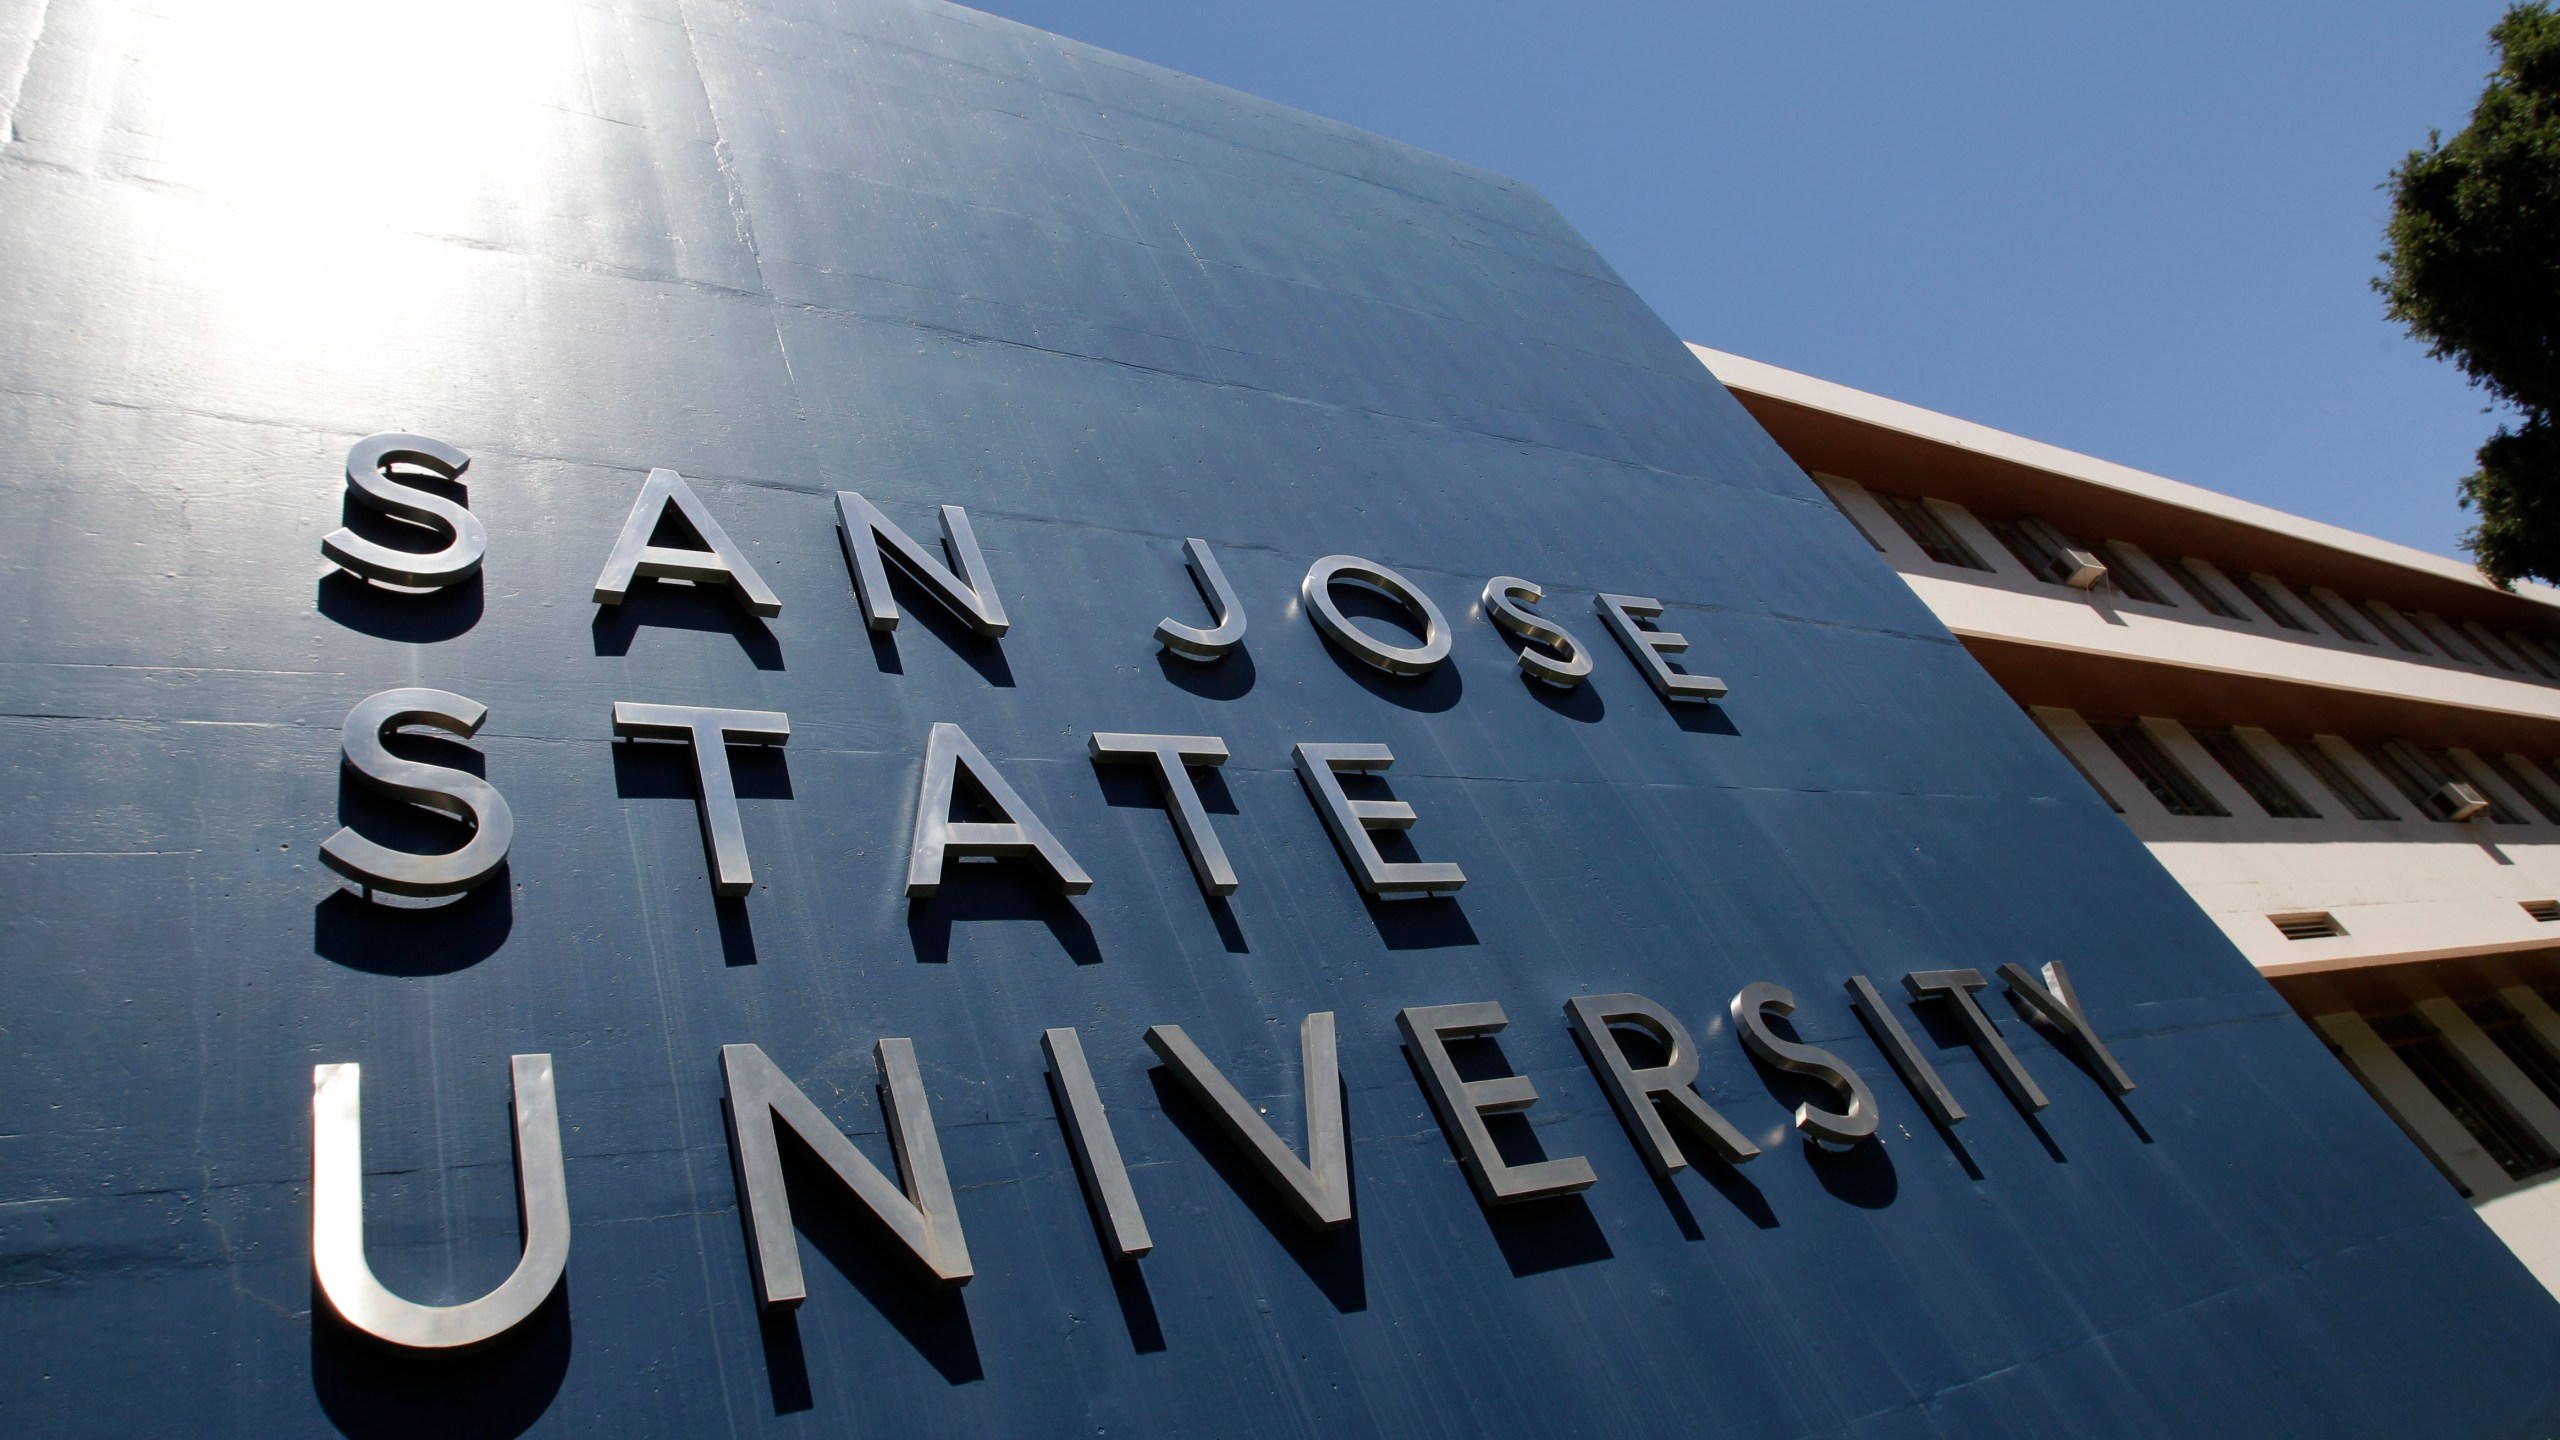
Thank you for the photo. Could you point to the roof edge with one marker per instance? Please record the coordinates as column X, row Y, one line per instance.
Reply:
column 1773, row 382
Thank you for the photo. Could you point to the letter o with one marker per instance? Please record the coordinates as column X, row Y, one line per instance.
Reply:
column 1317, row 590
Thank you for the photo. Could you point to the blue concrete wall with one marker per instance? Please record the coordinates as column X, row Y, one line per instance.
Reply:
column 915, row 251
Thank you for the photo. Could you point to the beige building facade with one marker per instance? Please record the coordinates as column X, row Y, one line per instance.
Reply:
column 2348, row 751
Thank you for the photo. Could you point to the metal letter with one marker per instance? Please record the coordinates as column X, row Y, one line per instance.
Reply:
column 1351, row 821
column 337, row 1218
column 369, row 481
column 1956, row 987
column 1847, row 1128
column 1319, row 1191
column 938, row 836
column 1908, row 1062
column 464, row 796
column 2061, row 1004
column 1106, row 1179
column 922, row 1215
column 1463, row 1104
column 1634, row 1092
column 971, row 594
column 1647, row 647
column 1190, row 642
column 1505, row 598
column 720, row 562
column 1317, row 590
column 1172, row 754
column 710, row 732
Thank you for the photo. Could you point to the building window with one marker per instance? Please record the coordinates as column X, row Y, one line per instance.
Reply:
column 2264, row 786
column 1929, row 531
column 2453, row 646
column 2128, row 579
column 2534, row 795
column 2507, row 1030
column 2390, row 632
column 2258, row 595
column 2487, row 644
column 1854, row 522
column 2414, row 764
column 2358, row 800
column 2176, row 790
column 2432, row 1060
column 2420, row 774
column 2203, row 592
column 2335, row 617
column 2037, row 544
column 2075, row 763
column 2525, row 652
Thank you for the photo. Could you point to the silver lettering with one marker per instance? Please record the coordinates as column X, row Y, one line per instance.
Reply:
column 1847, row 1127
column 1647, row 647
column 337, row 1218
column 922, row 1215
column 1506, row 598
column 1462, row 1105
column 1317, row 1191
column 459, row 794
column 971, row 594
column 369, row 481
column 1350, row 820
column 1317, row 591
column 1189, row 641
column 1638, row 1095
column 1173, row 755
column 1106, row 1178
column 1016, row 831
column 720, row 563
column 710, row 732
column 1956, row 987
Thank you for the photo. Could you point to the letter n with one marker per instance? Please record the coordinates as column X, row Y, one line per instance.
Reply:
column 971, row 593
column 922, row 1215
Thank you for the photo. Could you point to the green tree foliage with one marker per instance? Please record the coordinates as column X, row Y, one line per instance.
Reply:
column 2474, row 271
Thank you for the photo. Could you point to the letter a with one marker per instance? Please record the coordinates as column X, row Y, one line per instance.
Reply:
column 1016, row 831
column 720, row 562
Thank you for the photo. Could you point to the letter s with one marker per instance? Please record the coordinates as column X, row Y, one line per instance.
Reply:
column 465, row 797
column 369, row 480
column 1846, row 1127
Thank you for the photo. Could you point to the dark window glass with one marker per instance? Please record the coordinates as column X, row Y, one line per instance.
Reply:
column 2396, row 769
column 2264, row 785
column 2202, row 590
column 2127, row 578
column 2260, row 596
column 2335, row 617
column 2390, row 632
column 2489, row 1121
column 2508, row 1031
column 2035, row 545
column 2076, row 765
column 2420, row 772
column 1928, row 531
column 2455, row 647
column 1854, row 522
column 2358, row 800
column 2533, row 794
column 2482, row 641
column 2176, row 790
column 2534, row 660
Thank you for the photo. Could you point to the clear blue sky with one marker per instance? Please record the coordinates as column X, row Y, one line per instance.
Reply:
column 2140, row 231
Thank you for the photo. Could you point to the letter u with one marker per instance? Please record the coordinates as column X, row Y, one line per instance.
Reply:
column 337, row 1218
